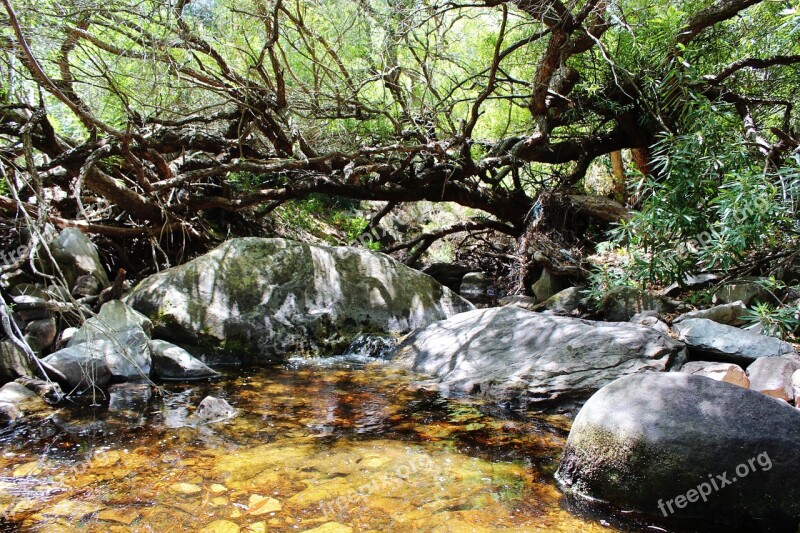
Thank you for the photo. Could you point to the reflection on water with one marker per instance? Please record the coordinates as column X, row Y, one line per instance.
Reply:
column 332, row 447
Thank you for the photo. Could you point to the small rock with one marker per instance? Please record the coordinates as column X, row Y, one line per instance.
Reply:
column 691, row 282
column 83, row 365
column 48, row 390
column 216, row 488
column 28, row 289
column 72, row 509
column 523, row 302
column 171, row 362
column 746, row 292
column 548, row 285
column 28, row 308
column 258, row 505
column 43, row 331
column 76, row 256
column 651, row 319
column 213, row 409
column 126, row 517
column 620, row 304
column 474, row 286
column 727, row 372
column 566, row 302
column 15, row 277
column 187, row 489
column 114, row 316
column 86, row 285
column 59, row 293
column 773, row 376
column 221, row 526
column 729, row 314
column 796, row 387
column 124, row 334
column 65, row 337
column 23, row 400
column 447, row 274
column 330, row 527
column 14, row 363
column 709, row 340
column 9, row 412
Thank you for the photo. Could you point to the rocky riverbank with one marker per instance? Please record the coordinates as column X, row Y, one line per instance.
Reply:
column 681, row 392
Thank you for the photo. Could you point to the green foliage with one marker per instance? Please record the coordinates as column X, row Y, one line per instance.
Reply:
column 352, row 225
column 709, row 206
column 614, row 272
column 301, row 215
column 244, row 180
column 778, row 321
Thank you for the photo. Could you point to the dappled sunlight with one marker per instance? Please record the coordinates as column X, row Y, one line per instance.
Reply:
column 260, row 298
column 326, row 283
column 540, row 358
column 311, row 445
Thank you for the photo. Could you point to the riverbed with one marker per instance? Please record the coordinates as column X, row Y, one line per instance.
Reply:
column 332, row 446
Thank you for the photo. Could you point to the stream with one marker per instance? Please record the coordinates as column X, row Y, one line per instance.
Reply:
column 335, row 445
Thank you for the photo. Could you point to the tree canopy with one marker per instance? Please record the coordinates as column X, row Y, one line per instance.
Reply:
column 145, row 120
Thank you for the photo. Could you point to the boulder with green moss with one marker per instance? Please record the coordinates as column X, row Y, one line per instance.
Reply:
column 261, row 299
column 681, row 446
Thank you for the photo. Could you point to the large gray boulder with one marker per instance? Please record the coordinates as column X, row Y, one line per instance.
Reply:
column 14, row 363
column 77, row 256
column 172, row 362
column 507, row 352
column 687, row 446
column 718, row 342
column 125, row 334
column 260, row 299
column 82, row 366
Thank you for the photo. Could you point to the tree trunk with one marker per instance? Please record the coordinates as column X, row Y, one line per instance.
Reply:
column 619, row 190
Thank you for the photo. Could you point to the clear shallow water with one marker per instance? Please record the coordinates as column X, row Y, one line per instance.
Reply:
column 330, row 447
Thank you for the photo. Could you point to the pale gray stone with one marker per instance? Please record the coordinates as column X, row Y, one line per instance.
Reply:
column 506, row 352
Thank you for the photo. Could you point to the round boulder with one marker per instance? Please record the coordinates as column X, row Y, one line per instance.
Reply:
column 681, row 446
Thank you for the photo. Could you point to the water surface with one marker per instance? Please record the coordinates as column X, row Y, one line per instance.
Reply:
column 328, row 447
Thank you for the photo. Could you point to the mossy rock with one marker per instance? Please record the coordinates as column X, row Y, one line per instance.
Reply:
column 648, row 439
column 259, row 300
